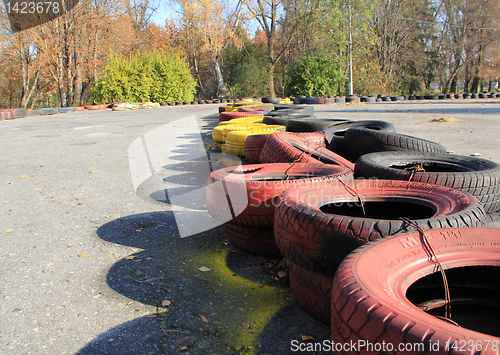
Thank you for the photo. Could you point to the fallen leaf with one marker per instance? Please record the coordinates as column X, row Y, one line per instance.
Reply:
column 203, row 319
column 107, row 216
column 8, row 231
column 307, row 338
column 130, row 257
column 184, row 342
column 83, row 255
column 184, row 348
column 79, row 203
column 166, row 303
column 261, row 286
column 37, row 188
column 245, row 324
column 282, row 274
column 204, row 269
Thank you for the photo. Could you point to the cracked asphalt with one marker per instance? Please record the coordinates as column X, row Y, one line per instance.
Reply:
column 89, row 255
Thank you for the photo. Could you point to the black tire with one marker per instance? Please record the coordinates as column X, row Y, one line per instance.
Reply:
column 431, row 97
column 292, row 111
column 311, row 125
column 477, row 176
column 335, row 133
column 285, row 120
column 359, row 141
column 339, row 100
column 475, row 96
column 352, row 99
column 163, row 104
column 271, row 100
column 194, row 102
column 41, row 111
column 308, row 101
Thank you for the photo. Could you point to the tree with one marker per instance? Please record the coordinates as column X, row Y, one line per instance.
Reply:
column 279, row 31
column 316, row 76
column 207, row 28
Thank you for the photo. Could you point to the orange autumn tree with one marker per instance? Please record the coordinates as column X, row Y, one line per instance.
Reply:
column 206, row 30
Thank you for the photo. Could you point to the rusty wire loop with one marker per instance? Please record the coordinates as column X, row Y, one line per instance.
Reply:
column 431, row 256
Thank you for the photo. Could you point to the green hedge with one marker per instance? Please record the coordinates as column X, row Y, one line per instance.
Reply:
column 145, row 77
column 316, row 77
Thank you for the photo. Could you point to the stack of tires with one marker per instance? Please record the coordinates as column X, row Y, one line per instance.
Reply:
column 245, row 198
column 397, row 208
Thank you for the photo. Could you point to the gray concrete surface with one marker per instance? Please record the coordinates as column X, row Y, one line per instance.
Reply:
column 86, row 262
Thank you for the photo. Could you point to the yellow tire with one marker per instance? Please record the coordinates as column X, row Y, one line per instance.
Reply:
column 236, row 151
column 223, row 148
column 118, row 107
column 218, row 132
column 243, row 120
column 240, row 136
column 286, row 101
column 241, row 127
column 268, row 107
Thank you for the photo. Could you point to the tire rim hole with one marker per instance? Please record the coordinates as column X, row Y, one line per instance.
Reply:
column 240, row 171
column 475, row 297
column 430, row 167
column 387, row 210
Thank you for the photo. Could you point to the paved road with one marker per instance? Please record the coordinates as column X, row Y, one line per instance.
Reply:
column 90, row 250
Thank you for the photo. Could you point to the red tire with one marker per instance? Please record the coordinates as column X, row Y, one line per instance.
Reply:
column 253, row 240
column 288, row 148
column 11, row 113
column 227, row 116
column 317, row 233
column 96, row 107
column 371, row 290
column 255, row 144
column 262, row 184
column 313, row 291
column 253, row 147
column 222, row 108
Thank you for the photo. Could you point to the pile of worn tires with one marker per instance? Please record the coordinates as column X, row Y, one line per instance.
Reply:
column 371, row 222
